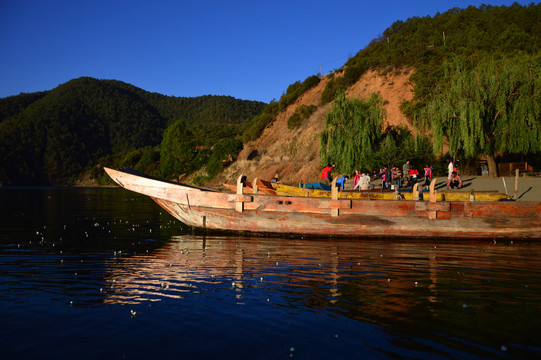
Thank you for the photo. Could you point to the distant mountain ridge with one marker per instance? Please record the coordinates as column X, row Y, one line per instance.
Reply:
column 50, row 137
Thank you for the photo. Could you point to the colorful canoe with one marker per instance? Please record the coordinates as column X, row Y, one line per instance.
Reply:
column 403, row 194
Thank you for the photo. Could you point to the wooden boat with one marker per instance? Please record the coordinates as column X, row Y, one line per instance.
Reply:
column 262, row 187
column 322, row 216
column 404, row 194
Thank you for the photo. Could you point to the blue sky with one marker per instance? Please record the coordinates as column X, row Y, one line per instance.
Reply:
column 246, row 49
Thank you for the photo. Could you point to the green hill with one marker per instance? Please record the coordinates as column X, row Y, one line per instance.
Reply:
column 51, row 137
column 476, row 78
column 426, row 43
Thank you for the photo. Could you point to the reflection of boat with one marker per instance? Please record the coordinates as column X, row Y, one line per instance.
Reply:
column 379, row 194
column 332, row 216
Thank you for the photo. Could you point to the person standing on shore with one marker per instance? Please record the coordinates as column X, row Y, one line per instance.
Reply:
column 363, row 183
column 398, row 177
column 386, row 177
column 450, row 168
column 428, row 175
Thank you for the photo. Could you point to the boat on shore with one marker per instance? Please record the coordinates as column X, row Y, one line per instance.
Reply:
column 388, row 194
column 323, row 216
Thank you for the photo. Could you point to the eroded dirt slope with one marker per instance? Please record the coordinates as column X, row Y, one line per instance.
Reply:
column 294, row 154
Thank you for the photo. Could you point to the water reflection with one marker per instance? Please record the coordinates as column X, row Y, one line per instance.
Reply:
column 453, row 287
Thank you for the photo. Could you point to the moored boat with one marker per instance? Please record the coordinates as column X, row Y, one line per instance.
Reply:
column 402, row 194
column 323, row 216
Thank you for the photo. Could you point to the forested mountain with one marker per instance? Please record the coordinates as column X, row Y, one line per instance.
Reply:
column 51, row 137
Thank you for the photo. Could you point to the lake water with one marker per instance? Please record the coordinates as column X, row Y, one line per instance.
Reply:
column 107, row 274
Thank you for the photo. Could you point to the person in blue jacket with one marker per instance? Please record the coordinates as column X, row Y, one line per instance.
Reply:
column 341, row 182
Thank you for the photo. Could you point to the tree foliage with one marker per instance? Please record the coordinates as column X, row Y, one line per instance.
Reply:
column 12, row 105
column 295, row 90
column 425, row 43
column 255, row 127
column 353, row 138
column 398, row 145
column 177, row 150
column 221, row 153
column 352, row 131
column 494, row 107
column 301, row 113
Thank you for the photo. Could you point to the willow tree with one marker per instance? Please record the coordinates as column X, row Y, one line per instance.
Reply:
column 352, row 132
column 493, row 108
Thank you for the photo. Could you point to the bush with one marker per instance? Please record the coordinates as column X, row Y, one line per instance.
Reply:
column 352, row 74
column 221, row 152
column 301, row 113
column 295, row 90
column 330, row 92
column 199, row 179
column 256, row 126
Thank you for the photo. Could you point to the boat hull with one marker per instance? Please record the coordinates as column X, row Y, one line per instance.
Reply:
column 394, row 222
column 340, row 217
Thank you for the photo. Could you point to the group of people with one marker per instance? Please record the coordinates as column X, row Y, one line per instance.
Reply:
column 326, row 176
column 361, row 181
column 408, row 176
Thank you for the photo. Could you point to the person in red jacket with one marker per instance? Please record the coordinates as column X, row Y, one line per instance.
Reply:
column 412, row 176
column 326, row 172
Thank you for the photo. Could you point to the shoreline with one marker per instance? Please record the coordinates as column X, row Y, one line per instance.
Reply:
column 528, row 189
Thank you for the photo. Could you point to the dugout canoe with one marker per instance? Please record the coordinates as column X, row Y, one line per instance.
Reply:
column 274, row 214
column 404, row 194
